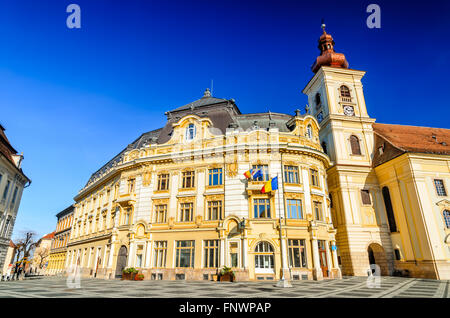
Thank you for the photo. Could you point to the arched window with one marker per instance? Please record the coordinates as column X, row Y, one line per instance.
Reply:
column 389, row 210
column 190, row 132
column 345, row 91
column 264, row 256
column 354, row 143
column 446, row 215
column 309, row 132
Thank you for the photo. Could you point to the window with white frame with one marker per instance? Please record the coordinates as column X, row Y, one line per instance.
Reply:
column 294, row 209
column 160, row 254
column 264, row 256
column 440, row 188
column 297, row 253
column 190, row 132
column 446, row 215
column 211, row 253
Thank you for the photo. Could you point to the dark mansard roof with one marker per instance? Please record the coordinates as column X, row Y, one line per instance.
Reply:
column 223, row 114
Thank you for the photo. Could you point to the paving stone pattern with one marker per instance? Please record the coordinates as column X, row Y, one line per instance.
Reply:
column 348, row 287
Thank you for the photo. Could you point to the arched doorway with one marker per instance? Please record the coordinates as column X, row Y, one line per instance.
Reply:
column 121, row 260
column 264, row 258
column 377, row 256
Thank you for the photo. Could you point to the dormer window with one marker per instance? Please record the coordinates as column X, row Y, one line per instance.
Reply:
column 190, row 132
column 309, row 132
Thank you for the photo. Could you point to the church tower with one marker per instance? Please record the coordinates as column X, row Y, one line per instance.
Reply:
column 336, row 99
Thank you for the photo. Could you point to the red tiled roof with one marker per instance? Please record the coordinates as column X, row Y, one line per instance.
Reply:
column 11, row 244
column 415, row 138
column 5, row 146
column 49, row 236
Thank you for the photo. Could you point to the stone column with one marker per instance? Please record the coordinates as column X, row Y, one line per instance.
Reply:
column 336, row 270
column 131, row 253
column 317, row 271
column 148, row 254
column 111, row 255
column 225, row 252
column 244, row 253
column 222, row 252
column 284, row 259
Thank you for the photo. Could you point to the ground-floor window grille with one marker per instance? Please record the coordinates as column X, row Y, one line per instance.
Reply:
column 185, row 252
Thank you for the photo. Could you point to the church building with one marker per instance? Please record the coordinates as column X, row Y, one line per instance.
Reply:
column 271, row 195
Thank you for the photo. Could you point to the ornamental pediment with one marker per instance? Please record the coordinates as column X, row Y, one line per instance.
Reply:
column 443, row 203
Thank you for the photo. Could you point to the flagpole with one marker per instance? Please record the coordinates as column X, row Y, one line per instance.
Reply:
column 281, row 234
column 282, row 282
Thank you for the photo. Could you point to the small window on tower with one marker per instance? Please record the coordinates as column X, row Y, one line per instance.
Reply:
column 318, row 101
column 345, row 91
column 354, row 144
column 365, row 196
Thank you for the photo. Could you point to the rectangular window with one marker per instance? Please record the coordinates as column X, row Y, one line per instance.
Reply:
column 131, row 184
column 163, row 182
column 297, row 253
column 215, row 176
column 291, row 174
column 5, row 192
column 188, row 179
column 318, row 210
column 265, row 172
column 14, row 195
column 160, row 213
column 186, row 212
column 139, row 260
column 126, row 217
column 160, row 253
column 214, row 210
column 261, row 208
column 314, row 177
column 211, row 253
column 185, row 252
column 365, row 197
column 440, row 188
column 294, row 209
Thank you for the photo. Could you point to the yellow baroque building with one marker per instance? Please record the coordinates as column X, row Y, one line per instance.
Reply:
column 58, row 251
column 175, row 203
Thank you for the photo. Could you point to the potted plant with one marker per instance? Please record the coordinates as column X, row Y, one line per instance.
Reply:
column 139, row 277
column 226, row 274
column 129, row 273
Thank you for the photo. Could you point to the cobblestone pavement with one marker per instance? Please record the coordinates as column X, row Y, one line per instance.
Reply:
column 348, row 287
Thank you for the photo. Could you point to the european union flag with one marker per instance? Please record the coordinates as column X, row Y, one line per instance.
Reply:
column 258, row 174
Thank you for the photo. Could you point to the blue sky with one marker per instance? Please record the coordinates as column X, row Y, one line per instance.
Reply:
column 71, row 99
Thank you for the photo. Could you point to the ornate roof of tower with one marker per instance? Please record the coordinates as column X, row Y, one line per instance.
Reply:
column 328, row 57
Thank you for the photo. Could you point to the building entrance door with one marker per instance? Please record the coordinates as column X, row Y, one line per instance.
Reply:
column 121, row 261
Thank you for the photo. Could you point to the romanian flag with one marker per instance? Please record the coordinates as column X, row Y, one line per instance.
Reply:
column 248, row 174
column 253, row 174
column 270, row 185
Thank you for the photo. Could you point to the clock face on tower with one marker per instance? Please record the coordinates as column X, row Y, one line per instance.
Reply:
column 349, row 110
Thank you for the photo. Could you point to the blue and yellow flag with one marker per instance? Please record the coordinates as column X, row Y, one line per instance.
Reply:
column 270, row 185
